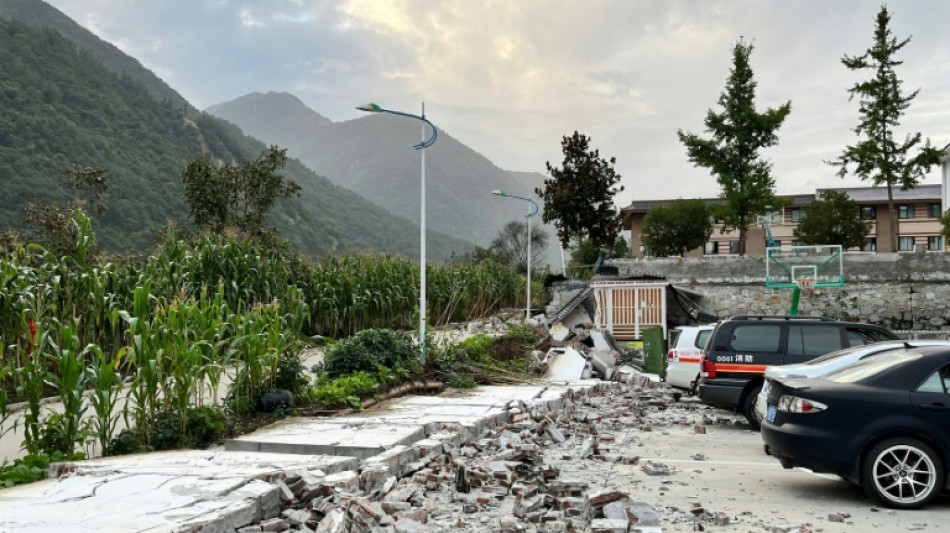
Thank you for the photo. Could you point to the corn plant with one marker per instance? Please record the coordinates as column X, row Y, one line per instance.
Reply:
column 143, row 356
column 106, row 386
column 30, row 377
column 69, row 379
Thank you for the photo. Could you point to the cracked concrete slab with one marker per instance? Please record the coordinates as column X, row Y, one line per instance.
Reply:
column 165, row 491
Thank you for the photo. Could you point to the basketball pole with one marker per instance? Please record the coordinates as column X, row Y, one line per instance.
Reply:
column 796, row 295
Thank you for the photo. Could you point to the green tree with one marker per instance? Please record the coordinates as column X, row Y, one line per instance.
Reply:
column 585, row 255
column 877, row 156
column 732, row 151
column 945, row 226
column 239, row 196
column 92, row 181
column 677, row 228
column 833, row 219
column 578, row 197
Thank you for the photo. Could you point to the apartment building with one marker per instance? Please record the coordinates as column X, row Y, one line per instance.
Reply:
column 918, row 212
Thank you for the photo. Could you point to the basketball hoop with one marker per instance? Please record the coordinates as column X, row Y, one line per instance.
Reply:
column 807, row 285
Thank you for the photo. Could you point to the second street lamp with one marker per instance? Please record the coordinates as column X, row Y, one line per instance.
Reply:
column 534, row 211
column 421, row 146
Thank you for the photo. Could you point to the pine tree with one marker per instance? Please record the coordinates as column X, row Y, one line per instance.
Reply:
column 732, row 153
column 877, row 157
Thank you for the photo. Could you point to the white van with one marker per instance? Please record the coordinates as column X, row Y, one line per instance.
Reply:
column 686, row 349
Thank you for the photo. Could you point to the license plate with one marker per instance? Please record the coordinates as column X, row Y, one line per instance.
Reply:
column 770, row 414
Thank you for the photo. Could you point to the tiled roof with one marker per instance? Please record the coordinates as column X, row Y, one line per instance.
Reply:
column 858, row 194
column 879, row 194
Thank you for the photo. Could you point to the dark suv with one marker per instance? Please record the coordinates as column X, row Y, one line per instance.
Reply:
column 742, row 347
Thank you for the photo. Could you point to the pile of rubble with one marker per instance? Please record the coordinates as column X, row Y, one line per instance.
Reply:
column 505, row 478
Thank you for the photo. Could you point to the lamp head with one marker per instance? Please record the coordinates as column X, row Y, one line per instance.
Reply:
column 499, row 192
column 370, row 108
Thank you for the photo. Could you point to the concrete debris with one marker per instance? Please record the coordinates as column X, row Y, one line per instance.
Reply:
column 503, row 477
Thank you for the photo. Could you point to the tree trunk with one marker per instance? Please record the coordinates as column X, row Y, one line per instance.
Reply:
column 893, row 217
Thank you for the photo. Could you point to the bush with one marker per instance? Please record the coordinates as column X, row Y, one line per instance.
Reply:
column 342, row 391
column 370, row 351
column 203, row 426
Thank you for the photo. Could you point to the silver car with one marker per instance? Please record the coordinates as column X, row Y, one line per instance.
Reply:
column 828, row 362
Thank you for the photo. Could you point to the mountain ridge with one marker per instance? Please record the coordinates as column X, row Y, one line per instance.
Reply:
column 373, row 156
column 65, row 107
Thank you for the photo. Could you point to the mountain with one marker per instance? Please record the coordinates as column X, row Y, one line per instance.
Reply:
column 63, row 106
column 42, row 15
column 373, row 157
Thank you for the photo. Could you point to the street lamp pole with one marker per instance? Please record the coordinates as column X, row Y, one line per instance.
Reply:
column 421, row 146
column 534, row 211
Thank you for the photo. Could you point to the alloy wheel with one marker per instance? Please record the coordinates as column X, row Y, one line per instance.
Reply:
column 904, row 474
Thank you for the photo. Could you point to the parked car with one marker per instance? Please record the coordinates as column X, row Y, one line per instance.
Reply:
column 686, row 350
column 883, row 423
column 741, row 348
column 830, row 362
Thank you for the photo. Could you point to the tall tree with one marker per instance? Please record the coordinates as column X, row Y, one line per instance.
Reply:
column 578, row 197
column 677, row 228
column 833, row 219
column 732, row 151
column 238, row 196
column 511, row 243
column 877, row 156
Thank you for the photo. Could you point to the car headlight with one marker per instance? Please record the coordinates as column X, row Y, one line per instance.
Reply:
column 794, row 404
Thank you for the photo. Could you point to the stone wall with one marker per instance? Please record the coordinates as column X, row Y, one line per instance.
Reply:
column 898, row 290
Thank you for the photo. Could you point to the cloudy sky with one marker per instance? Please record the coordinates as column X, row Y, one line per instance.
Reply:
column 509, row 78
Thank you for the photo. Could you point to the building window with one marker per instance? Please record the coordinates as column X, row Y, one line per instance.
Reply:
column 933, row 210
column 797, row 214
column 734, row 247
column 870, row 244
column 905, row 244
column 711, row 248
column 935, row 243
column 797, row 242
column 905, row 211
column 868, row 212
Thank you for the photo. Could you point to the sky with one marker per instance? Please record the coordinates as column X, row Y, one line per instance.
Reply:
column 511, row 78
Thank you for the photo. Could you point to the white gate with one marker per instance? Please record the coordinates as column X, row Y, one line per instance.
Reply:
column 624, row 308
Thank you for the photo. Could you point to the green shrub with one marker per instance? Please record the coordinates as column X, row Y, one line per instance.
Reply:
column 129, row 441
column 27, row 469
column 343, row 391
column 368, row 351
column 203, row 426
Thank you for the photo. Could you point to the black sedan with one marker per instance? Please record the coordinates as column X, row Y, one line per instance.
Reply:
column 883, row 423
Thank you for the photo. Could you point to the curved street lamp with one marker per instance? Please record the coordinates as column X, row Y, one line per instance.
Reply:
column 534, row 211
column 421, row 146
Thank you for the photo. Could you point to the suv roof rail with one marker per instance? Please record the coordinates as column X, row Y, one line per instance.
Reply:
column 782, row 317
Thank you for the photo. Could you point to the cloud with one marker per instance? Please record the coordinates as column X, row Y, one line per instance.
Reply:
column 509, row 78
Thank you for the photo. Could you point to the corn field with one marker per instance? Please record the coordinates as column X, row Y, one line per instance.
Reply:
column 160, row 332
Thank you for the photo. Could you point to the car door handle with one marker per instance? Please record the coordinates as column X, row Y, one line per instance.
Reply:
column 936, row 406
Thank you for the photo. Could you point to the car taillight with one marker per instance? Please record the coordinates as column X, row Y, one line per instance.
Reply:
column 708, row 368
column 794, row 404
column 669, row 355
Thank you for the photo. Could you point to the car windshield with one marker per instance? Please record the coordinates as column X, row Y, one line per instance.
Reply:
column 845, row 352
column 871, row 366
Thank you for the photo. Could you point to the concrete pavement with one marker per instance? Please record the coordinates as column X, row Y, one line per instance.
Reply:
column 247, row 482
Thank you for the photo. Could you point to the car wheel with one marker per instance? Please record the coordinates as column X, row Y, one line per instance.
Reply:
column 748, row 408
column 902, row 473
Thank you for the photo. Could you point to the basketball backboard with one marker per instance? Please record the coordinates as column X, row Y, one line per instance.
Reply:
column 785, row 265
